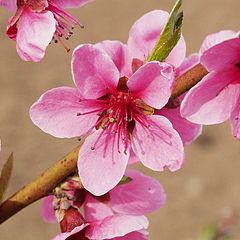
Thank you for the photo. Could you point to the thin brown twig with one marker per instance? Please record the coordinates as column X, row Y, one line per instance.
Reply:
column 44, row 184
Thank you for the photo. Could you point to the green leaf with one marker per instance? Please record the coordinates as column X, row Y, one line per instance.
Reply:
column 5, row 175
column 209, row 233
column 169, row 36
column 124, row 180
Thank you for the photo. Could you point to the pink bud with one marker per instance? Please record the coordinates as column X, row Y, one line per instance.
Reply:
column 79, row 195
column 71, row 219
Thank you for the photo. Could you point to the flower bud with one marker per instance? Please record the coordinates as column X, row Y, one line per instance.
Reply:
column 72, row 218
column 79, row 197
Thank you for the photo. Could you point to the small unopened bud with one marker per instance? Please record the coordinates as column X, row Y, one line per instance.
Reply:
column 72, row 218
column 79, row 197
column 71, row 183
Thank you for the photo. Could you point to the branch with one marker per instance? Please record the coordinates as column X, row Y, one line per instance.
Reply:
column 40, row 187
column 188, row 80
column 44, row 185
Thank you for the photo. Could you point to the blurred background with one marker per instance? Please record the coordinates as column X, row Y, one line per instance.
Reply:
column 206, row 189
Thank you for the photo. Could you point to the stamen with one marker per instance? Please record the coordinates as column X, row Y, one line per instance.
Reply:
column 64, row 26
column 118, row 114
column 59, row 39
column 90, row 112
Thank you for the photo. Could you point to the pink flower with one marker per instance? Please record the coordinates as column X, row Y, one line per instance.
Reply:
column 217, row 97
column 116, row 96
column 119, row 216
column 37, row 22
column 117, row 112
column 142, row 37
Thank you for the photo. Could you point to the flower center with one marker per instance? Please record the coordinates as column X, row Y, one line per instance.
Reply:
column 121, row 111
column 35, row 5
column 119, row 116
column 118, row 113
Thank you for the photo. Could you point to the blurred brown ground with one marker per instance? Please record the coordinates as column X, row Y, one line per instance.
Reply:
column 208, row 183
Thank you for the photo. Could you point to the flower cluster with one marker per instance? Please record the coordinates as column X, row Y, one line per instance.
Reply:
column 217, row 97
column 119, row 214
column 121, row 108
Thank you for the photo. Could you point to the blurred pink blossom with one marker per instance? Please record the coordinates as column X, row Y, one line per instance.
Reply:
column 37, row 22
column 217, row 97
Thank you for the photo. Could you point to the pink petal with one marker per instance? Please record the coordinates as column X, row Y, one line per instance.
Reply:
column 64, row 236
column 216, row 38
column 70, row 3
column 144, row 34
column 178, row 53
column 142, row 195
column 47, row 212
column 221, row 55
column 188, row 131
column 35, row 32
column 119, row 54
column 157, row 144
column 116, row 226
column 57, row 113
column 102, row 168
column 94, row 72
column 10, row 5
column 133, row 236
column 235, row 120
column 133, row 158
column 213, row 99
column 150, row 83
column 95, row 210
